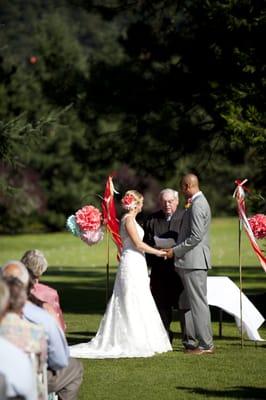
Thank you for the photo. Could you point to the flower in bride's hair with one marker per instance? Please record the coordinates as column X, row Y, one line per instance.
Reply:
column 128, row 202
column 72, row 225
column 88, row 218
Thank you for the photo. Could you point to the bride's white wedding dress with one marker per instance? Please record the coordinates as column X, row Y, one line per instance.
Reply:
column 131, row 325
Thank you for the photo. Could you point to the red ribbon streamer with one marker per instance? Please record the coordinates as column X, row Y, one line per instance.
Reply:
column 109, row 213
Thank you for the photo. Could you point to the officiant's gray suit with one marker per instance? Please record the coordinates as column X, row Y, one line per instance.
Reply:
column 192, row 261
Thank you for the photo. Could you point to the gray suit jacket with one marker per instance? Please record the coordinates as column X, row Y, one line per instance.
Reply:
column 193, row 250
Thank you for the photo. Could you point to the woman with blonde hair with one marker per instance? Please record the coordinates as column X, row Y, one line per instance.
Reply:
column 29, row 337
column 131, row 325
column 43, row 295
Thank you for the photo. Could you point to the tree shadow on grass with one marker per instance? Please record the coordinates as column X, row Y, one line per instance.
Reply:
column 87, row 292
column 82, row 299
column 82, row 272
column 81, row 291
column 251, row 275
column 238, row 392
column 79, row 337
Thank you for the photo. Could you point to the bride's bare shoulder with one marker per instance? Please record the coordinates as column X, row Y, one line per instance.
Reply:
column 127, row 217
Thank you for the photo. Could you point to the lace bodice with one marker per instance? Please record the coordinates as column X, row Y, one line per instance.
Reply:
column 127, row 242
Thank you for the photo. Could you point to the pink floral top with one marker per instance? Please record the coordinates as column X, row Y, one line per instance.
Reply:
column 49, row 295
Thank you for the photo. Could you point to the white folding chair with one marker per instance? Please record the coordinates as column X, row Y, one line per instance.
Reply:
column 41, row 377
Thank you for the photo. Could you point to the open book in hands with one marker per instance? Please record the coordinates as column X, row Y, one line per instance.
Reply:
column 164, row 243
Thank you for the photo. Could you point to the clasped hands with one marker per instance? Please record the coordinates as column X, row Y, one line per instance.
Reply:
column 167, row 253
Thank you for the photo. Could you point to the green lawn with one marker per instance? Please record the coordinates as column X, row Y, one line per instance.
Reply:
column 78, row 272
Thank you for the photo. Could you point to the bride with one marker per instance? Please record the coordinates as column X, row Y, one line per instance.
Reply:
column 131, row 325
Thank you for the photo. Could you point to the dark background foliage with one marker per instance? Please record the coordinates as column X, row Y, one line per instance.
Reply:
column 149, row 89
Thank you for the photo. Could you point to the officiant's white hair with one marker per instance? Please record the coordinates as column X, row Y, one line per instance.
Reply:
column 174, row 193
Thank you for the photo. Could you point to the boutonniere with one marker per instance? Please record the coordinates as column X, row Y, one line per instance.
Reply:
column 188, row 203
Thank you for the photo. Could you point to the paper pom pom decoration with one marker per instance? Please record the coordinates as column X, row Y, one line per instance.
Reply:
column 92, row 237
column 72, row 226
column 258, row 225
column 86, row 224
column 88, row 218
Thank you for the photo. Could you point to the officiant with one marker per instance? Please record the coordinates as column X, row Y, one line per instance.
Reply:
column 165, row 283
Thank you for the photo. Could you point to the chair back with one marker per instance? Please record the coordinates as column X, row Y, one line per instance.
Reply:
column 41, row 376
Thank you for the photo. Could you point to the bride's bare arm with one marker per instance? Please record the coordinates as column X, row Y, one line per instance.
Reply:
column 134, row 236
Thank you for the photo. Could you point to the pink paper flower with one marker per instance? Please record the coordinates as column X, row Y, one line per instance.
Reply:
column 128, row 201
column 88, row 218
column 92, row 237
column 258, row 225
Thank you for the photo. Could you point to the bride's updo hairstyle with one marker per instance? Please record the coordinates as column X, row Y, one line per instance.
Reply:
column 131, row 199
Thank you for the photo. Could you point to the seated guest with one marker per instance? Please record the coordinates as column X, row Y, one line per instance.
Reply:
column 64, row 374
column 36, row 263
column 2, row 387
column 15, row 365
column 26, row 335
column 17, row 369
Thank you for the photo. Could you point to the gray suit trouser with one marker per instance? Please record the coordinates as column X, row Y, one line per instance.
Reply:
column 66, row 381
column 195, row 318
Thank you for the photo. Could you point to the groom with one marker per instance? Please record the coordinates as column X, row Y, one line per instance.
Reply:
column 192, row 261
